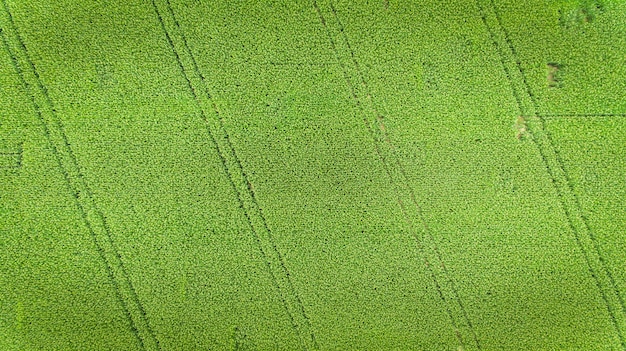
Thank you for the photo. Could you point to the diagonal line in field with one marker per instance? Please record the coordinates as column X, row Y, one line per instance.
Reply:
column 577, row 222
column 68, row 165
column 380, row 141
column 236, row 174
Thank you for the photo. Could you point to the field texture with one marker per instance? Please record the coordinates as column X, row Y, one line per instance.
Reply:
column 312, row 175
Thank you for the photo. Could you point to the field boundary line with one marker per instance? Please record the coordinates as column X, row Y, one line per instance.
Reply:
column 92, row 216
column 236, row 174
column 581, row 115
column 16, row 155
column 560, row 179
column 410, row 207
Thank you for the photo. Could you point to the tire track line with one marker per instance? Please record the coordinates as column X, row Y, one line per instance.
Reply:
column 68, row 165
column 576, row 220
column 236, row 174
column 391, row 162
column 400, row 167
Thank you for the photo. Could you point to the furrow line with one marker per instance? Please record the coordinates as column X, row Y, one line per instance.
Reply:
column 576, row 221
column 236, row 174
column 92, row 217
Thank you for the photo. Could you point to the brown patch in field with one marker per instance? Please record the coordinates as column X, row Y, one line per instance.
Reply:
column 382, row 127
column 554, row 75
column 250, row 186
column 585, row 13
column 521, row 129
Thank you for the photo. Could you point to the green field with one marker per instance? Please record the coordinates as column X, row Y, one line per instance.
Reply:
column 313, row 175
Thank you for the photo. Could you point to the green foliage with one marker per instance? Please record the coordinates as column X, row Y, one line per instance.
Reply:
column 580, row 12
column 257, row 175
